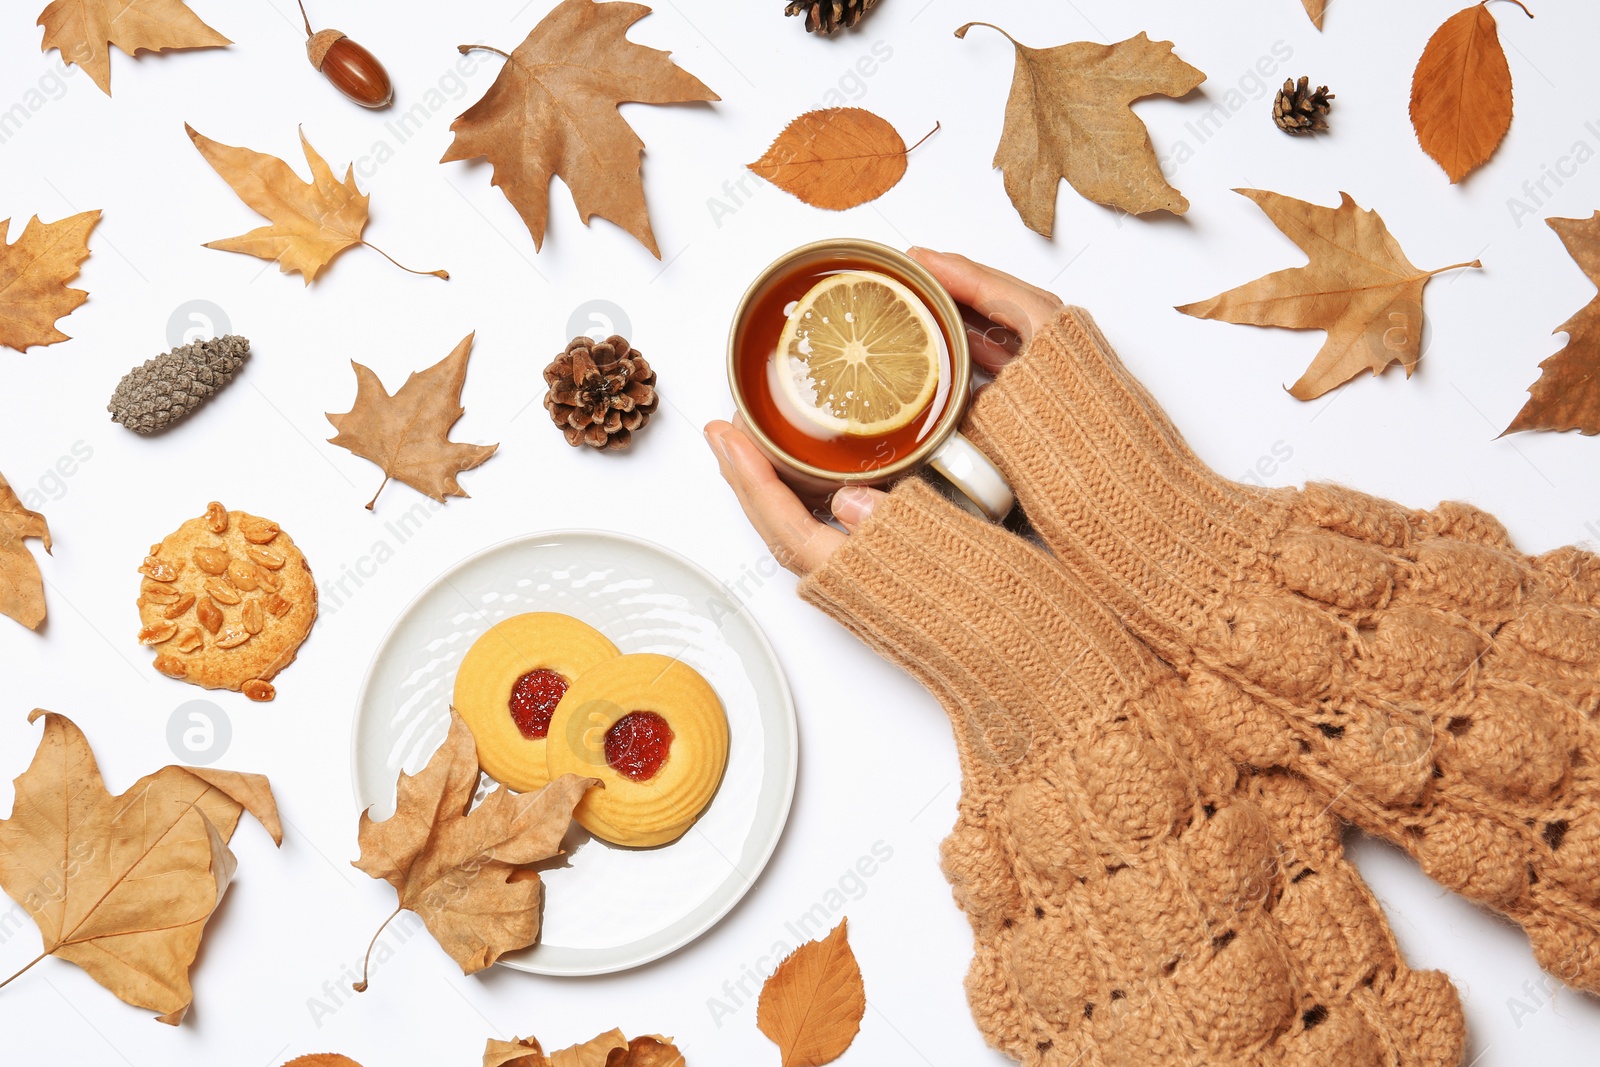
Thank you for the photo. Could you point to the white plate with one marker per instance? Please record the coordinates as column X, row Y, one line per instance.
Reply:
column 608, row 908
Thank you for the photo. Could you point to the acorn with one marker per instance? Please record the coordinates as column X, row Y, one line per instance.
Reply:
column 350, row 68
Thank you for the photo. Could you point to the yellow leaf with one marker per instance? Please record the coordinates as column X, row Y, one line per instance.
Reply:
column 82, row 29
column 1567, row 394
column 812, row 1005
column 408, row 434
column 836, row 158
column 311, row 222
column 34, row 274
column 1461, row 92
column 1359, row 287
column 21, row 585
column 1069, row 117
column 123, row 885
column 552, row 112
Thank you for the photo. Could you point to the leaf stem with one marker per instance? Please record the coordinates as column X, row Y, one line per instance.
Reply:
column 430, row 273
column 24, row 970
column 1457, row 266
column 962, row 32
column 925, row 136
column 371, row 502
column 361, row 986
column 1519, row 3
column 307, row 18
column 465, row 48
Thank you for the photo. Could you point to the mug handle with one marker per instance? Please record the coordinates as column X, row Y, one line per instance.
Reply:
column 975, row 474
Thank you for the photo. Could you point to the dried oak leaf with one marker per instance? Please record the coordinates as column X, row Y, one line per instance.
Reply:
column 34, row 273
column 811, row 1006
column 21, row 584
column 610, row 1049
column 466, row 876
column 1566, row 395
column 408, row 434
column 553, row 112
column 836, row 158
column 1069, row 117
column 123, row 885
column 83, row 29
column 1359, row 287
column 1316, row 9
column 1461, row 92
column 311, row 222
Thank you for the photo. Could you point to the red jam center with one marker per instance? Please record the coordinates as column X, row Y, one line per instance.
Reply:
column 533, row 701
column 637, row 744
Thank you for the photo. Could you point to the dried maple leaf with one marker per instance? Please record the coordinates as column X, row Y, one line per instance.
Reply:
column 553, row 112
column 82, row 30
column 34, row 273
column 1069, row 117
column 21, row 584
column 610, row 1049
column 836, row 158
column 408, row 434
column 812, row 1005
column 311, row 222
column 123, row 885
column 1461, row 91
column 1566, row 395
column 1359, row 287
column 1316, row 9
column 466, row 876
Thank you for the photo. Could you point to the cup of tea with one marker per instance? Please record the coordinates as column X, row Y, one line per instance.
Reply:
column 849, row 364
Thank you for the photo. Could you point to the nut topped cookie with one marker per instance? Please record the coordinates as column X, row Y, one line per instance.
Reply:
column 226, row 601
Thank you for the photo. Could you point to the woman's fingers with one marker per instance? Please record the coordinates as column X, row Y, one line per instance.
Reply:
column 1006, row 301
column 797, row 540
column 853, row 504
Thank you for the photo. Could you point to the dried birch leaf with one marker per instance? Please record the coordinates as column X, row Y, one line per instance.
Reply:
column 1461, row 92
column 1566, row 395
column 836, row 158
column 812, row 1005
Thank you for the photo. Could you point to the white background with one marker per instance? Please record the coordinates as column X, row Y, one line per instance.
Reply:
column 877, row 763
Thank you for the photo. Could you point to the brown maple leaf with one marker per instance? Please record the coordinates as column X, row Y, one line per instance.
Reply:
column 82, row 30
column 21, row 584
column 1316, row 9
column 1566, row 395
column 1359, row 287
column 311, row 222
column 34, row 273
column 408, row 434
column 1461, row 91
column 466, row 876
column 553, row 112
column 811, row 1006
column 123, row 886
column 1069, row 117
column 610, row 1049
column 836, row 158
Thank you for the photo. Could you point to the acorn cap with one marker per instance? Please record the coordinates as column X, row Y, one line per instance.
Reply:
column 318, row 44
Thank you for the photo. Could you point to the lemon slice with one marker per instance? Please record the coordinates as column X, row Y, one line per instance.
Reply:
column 859, row 354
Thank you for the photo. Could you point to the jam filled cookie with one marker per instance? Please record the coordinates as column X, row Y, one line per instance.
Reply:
column 226, row 601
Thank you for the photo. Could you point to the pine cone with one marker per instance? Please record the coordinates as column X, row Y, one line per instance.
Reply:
column 163, row 391
column 826, row 16
column 600, row 392
column 1299, row 110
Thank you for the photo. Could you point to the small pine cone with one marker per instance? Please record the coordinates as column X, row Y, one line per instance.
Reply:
column 1299, row 110
column 827, row 16
column 600, row 392
column 163, row 391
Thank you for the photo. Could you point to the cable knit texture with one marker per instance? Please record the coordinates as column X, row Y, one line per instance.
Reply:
column 1437, row 686
column 1137, row 897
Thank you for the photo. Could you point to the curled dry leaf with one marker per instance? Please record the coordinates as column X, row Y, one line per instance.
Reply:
column 836, row 158
column 83, row 29
column 812, row 1005
column 123, row 885
column 34, row 273
column 610, row 1049
column 1316, row 9
column 466, row 876
column 21, row 584
column 1461, row 91
column 408, row 434
column 552, row 112
column 310, row 222
column 1567, row 394
column 1069, row 117
column 1359, row 287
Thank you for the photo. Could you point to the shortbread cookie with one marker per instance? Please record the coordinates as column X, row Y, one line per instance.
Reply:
column 226, row 601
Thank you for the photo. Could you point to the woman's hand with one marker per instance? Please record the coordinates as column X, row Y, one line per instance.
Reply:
column 796, row 538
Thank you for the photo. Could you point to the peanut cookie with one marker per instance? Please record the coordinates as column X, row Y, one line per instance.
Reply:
column 226, row 601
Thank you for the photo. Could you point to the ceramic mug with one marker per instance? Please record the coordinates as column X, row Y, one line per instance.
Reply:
column 939, row 445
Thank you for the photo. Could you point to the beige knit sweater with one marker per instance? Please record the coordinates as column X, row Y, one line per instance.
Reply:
column 1162, row 718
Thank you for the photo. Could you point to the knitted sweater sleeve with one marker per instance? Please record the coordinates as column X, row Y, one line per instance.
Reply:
column 1439, row 686
column 1133, row 899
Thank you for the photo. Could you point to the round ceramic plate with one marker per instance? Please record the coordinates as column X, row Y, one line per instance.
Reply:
column 606, row 908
